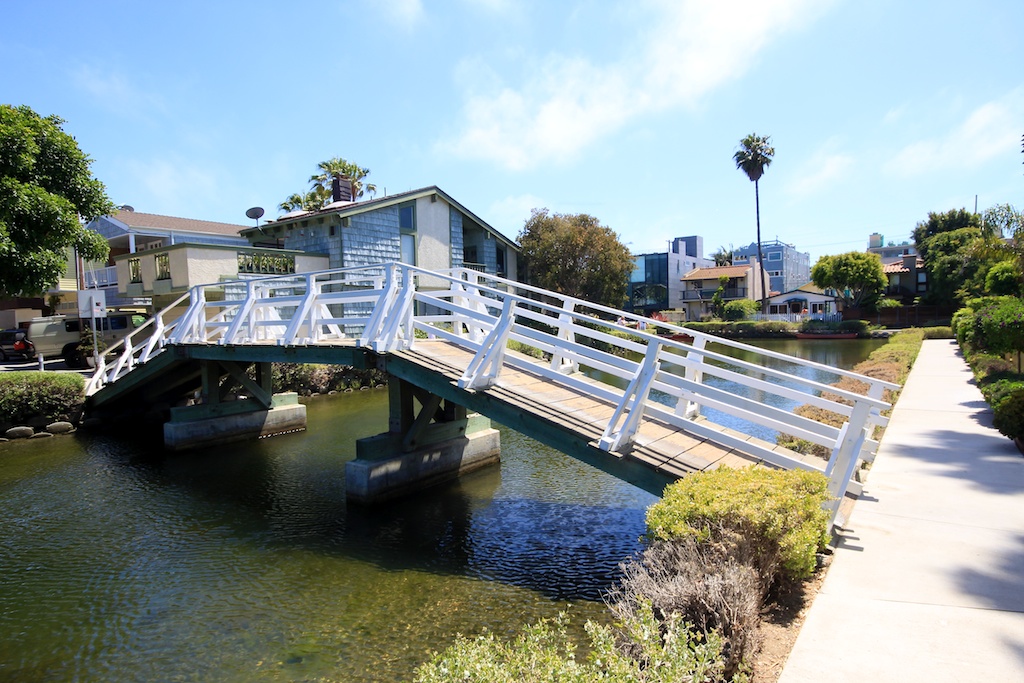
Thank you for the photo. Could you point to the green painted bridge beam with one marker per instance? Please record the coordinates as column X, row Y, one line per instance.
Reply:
column 536, row 427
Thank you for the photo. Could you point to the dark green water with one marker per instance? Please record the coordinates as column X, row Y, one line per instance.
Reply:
column 244, row 563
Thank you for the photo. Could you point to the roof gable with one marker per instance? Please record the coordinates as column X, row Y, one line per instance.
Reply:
column 343, row 209
column 152, row 221
column 716, row 272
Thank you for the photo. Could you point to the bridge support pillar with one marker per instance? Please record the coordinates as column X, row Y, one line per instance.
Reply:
column 420, row 449
column 217, row 420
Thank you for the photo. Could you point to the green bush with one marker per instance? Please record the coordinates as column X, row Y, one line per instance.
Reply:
column 664, row 652
column 1003, row 278
column 1000, row 328
column 938, row 332
column 740, row 309
column 49, row 395
column 308, row 379
column 779, row 513
column 1009, row 412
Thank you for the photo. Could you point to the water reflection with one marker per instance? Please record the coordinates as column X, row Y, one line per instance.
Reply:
column 246, row 563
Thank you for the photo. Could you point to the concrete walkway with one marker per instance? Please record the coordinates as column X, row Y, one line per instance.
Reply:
column 927, row 583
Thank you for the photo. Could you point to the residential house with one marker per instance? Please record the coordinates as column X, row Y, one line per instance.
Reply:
column 805, row 300
column 424, row 227
column 786, row 267
column 656, row 281
column 742, row 282
column 907, row 278
column 891, row 252
column 154, row 258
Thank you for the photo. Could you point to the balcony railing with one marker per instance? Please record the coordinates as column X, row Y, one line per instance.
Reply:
column 266, row 264
column 706, row 294
column 101, row 277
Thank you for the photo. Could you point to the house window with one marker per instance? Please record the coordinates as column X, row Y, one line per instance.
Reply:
column 407, row 217
column 409, row 249
column 774, row 256
column 163, row 266
column 134, row 270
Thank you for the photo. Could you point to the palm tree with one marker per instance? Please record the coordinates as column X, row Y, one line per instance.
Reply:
column 294, row 202
column 347, row 169
column 723, row 257
column 753, row 157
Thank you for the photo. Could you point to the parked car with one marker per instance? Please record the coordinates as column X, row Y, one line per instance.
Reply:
column 15, row 344
column 59, row 336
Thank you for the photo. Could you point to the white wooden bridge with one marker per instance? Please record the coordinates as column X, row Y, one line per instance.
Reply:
column 645, row 400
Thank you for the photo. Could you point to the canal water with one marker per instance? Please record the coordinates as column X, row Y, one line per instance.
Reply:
column 244, row 563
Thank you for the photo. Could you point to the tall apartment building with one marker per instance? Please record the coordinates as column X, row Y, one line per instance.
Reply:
column 787, row 269
column 656, row 283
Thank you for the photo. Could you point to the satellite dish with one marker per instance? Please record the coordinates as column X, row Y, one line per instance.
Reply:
column 255, row 213
column 129, row 207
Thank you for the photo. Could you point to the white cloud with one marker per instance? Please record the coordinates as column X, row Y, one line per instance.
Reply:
column 825, row 167
column 569, row 103
column 115, row 93
column 989, row 131
column 406, row 13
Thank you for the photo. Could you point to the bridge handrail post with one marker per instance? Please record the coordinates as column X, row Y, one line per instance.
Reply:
column 241, row 315
column 306, row 308
column 485, row 366
column 373, row 330
column 565, row 333
column 845, row 456
column 187, row 329
column 634, row 400
column 395, row 323
column 694, row 373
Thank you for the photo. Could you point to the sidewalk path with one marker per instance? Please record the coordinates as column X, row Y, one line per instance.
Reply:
column 927, row 583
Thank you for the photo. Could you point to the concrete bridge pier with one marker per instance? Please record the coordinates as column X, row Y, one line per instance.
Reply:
column 420, row 449
column 218, row 420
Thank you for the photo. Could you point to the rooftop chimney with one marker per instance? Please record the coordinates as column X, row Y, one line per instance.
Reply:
column 341, row 189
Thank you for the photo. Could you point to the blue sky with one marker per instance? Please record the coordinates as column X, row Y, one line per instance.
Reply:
column 879, row 110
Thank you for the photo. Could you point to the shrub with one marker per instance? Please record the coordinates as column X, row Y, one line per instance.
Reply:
column 320, row 379
column 1000, row 328
column 660, row 653
column 780, row 514
column 858, row 326
column 49, row 395
column 740, row 309
column 699, row 584
column 938, row 332
column 1009, row 412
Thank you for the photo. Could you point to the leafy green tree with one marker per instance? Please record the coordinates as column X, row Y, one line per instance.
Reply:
column 1003, row 279
column 938, row 223
column 1003, row 220
column 577, row 256
column 855, row 276
column 753, row 157
column 46, row 192
column 950, row 271
column 718, row 298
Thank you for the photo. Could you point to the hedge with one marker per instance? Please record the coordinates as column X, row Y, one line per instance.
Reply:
column 25, row 396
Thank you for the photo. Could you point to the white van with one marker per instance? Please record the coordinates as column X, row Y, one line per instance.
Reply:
column 59, row 335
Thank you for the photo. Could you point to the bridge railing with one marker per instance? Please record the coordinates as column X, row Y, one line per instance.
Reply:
column 653, row 370
column 646, row 369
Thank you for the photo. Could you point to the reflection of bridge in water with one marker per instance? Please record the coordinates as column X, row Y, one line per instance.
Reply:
column 462, row 347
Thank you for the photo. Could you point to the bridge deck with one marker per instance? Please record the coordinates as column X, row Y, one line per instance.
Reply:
column 660, row 446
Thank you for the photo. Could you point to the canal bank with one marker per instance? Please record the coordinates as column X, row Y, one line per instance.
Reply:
column 926, row 583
